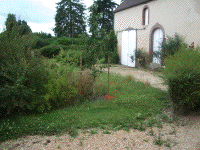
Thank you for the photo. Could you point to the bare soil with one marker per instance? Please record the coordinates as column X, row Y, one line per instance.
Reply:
column 185, row 136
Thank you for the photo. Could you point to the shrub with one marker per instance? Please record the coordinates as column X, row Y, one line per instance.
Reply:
column 171, row 46
column 23, row 77
column 61, row 89
column 69, row 57
column 41, row 43
column 50, row 50
column 183, row 77
column 142, row 58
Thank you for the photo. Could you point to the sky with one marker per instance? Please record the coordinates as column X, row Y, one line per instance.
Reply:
column 39, row 14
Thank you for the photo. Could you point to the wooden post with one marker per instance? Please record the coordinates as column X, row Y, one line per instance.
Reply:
column 81, row 62
column 81, row 69
column 108, row 73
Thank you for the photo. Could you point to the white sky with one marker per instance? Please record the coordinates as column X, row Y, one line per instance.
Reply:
column 39, row 14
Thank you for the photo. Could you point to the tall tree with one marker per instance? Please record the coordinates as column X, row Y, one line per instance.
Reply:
column 10, row 22
column 70, row 19
column 93, row 19
column 102, row 11
column 16, row 28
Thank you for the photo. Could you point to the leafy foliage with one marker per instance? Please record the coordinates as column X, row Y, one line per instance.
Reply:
column 101, row 17
column 171, row 46
column 50, row 50
column 69, row 57
column 142, row 58
column 23, row 76
column 110, row 47
column 183, row 77
column 69, row 18
column 16, row 28
column 61, row 90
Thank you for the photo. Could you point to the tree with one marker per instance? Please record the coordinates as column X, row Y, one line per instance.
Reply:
column 94, row 17
column 16, row 28
column 10, row 22
column 102, row 15
column 69, row 18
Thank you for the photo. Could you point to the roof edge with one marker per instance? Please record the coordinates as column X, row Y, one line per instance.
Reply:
column 122, row 9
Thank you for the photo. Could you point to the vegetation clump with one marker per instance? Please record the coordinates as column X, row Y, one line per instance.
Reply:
column 183, row 77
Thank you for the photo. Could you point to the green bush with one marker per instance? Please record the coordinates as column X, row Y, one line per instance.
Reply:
column 50, row 50
column 183, row 77
column 171, row 46
column 23, row 77
column 61, row 88
column 69, row 57
column 142, row 58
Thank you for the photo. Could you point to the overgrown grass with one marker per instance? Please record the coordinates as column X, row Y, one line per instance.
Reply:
column 131, row 104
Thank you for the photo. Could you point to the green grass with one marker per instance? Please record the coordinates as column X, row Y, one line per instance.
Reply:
column 133, row 104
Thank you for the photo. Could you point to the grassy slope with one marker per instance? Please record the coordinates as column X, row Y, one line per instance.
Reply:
column 134, row 103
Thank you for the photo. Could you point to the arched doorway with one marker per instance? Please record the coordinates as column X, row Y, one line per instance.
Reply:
column 157, row 36
column 157, row 43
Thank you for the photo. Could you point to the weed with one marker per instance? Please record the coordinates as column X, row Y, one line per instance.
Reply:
column 80, row 143
column 158, row 140
column 167, row 144
column 151, row 132
column 127, row 148
column 93, row 131
column 173, row 131
column 133, row 142
column 118, row 127
column 83, row 131
column 59, row 147
column 106, row 132
column 73, row 132
column 126, row 129
column 151, row 122
column 146, row 140
column 58, row 135
column 159, row 124
column 142, row 127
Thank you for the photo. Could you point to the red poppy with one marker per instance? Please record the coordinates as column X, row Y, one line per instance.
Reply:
column 79, row 93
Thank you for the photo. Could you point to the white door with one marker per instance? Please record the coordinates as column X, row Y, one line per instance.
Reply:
column 128, row 48
column 157, row 43
column 124, row 48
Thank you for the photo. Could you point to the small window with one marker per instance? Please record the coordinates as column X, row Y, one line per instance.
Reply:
column 145, row 19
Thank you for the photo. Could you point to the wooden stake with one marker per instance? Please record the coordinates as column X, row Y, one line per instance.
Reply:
column 108, row 73
column 81, row 68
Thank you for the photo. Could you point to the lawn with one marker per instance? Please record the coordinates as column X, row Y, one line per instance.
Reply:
column 131, row 104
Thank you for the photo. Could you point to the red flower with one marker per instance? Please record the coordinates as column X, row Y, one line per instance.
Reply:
column 79, row 93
